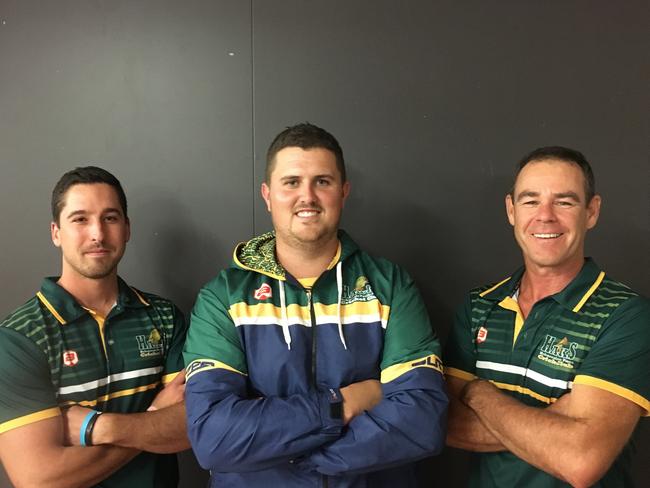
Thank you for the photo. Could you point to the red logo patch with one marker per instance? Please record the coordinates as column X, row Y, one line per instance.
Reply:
column 482, row 335
column 70, row 358
column 263, row 292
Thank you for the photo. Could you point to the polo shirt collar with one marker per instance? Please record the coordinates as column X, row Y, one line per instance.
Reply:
column 572, row 296
column 66, row 309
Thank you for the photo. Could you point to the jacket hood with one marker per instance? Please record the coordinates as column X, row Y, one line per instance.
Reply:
column 258, row 254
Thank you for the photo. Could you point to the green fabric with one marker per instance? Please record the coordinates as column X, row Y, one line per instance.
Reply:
column 143, row 343
column 607, row 339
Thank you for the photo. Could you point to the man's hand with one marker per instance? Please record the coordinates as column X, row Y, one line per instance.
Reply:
column 72, row 418
column 171, row 394
column 359, row 397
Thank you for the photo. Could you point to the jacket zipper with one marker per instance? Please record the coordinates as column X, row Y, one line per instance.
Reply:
column 312, row 316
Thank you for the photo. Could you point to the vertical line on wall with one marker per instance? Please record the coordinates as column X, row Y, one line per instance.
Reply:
column 252, row 37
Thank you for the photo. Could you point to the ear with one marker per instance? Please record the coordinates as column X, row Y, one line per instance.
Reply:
column 593, row 211
column 510, row 209
column 128, row 230
column 266, row 195
column 54, row 233
column 346, row 190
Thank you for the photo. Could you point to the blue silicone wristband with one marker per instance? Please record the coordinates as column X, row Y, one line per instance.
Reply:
column 84, row 424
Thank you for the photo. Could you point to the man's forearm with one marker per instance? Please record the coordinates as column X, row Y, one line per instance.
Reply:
column 591, row 443
column 160, row 431
column 33, row 456
column 466, row 431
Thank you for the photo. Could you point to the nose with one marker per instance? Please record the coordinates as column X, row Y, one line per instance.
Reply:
column 97, row 231
column 546, row 212
column 308, row 193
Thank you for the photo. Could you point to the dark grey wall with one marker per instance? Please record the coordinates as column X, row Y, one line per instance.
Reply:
column 433, row 102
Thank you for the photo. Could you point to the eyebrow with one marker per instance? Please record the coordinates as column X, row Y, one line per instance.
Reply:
column 535, row 194
column 84, row 212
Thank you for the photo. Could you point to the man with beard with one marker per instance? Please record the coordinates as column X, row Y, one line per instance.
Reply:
column 309, row 362
column 90, row 368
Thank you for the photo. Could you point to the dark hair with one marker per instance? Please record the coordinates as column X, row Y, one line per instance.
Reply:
column 566, row 155
column 84, row 175
column 305, row 136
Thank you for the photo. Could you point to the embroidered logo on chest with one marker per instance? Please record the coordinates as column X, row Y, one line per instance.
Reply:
column 263, row 292
column 559, row 352
column 481, row 335
column 150, row 345
column 70, row 358
column 360, row 293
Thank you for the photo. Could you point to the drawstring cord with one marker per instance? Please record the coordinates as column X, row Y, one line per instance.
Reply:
column 339, row 288
column 285, row 320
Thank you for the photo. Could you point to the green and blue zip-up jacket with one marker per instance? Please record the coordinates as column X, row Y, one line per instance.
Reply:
column 266, row 358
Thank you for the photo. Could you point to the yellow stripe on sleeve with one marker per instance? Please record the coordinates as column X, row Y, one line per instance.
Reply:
column 396, row 370
column 524, row 391
column 616, row 389
column 459, row 373
column 200, row 365
column 168, row 378
column 29, row 419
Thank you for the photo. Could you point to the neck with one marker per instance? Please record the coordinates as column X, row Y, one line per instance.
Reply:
column 98, row 295
column 540, row 282
column 306, row 261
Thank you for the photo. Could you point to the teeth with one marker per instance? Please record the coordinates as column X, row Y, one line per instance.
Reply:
column 306, row 213
column 547, row 236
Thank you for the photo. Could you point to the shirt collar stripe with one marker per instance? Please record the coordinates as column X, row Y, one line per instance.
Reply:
column 49, row 306
column 590, row 292
column 489, row 290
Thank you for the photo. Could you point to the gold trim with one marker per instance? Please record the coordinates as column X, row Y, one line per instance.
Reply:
column 168, row 378
column 140, row 297
column 590, row 292
column 459, row 373
column 524, row 391
column 615, row 389
column 483, row 293
column 336, row 257
column 396, row 370
column 29, row 419
column 49, row 306
column 511, row 304
column 208, row 365
column 111, row 396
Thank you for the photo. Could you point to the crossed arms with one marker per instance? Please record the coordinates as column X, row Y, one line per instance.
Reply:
column 594, row 424
column 47, row 453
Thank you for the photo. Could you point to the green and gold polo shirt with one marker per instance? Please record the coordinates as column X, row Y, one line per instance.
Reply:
column 55, row 353
column 596, row 331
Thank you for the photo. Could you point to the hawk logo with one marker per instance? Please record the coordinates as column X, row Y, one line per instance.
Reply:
column 263, row 292
column 150, row 345
column 362, row 292
column 558, row 352
column 70, row 358
column 482, row 335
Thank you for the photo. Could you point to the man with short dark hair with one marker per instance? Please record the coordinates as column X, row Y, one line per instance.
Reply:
column 286, row 347
column 90, row 368
column 548, row 368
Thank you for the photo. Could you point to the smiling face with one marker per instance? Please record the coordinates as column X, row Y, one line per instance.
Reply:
column 550, row 215
column 305, row 196
column 92, row 231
